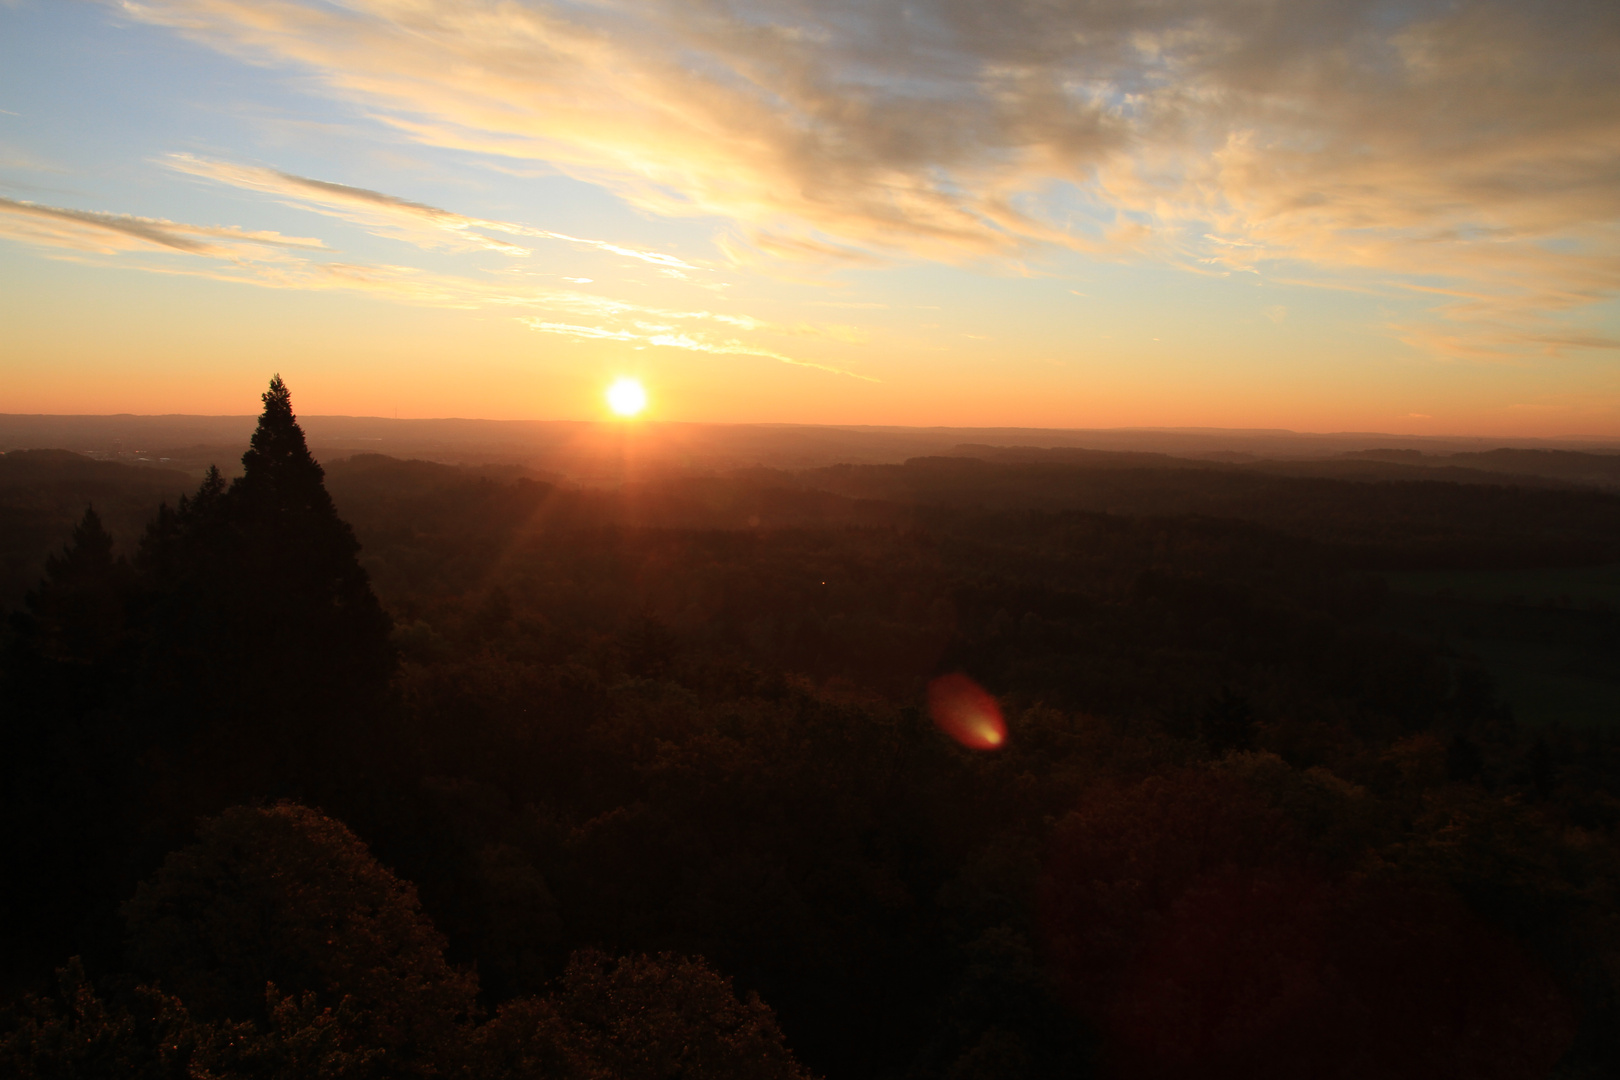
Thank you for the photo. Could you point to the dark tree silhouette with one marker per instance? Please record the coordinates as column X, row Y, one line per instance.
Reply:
column 76, row 617
column 66, row 749
column 287, row 898
column 314, row 635
column 1227, row 723
column 270, row 657
column 73, row 1032
column 1463, row 760
column 637, row 1018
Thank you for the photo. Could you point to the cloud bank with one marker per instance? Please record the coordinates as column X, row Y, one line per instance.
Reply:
column 1470, row 146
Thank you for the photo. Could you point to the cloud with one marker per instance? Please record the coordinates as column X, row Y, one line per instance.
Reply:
column 272, row 260
column 1353, row 141
column 571, row 330
column 664, row 337
column 91, row 230
column 1505, row 341
column 419, row 223
column 795, row 249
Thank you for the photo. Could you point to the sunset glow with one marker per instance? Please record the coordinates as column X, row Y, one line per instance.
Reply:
column 1171, row 215
column 490, row 488
column 626, row 397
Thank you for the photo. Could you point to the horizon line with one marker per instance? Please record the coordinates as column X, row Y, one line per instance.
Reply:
column 650, row 422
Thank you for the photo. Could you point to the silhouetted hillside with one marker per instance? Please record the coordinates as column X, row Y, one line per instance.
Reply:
column 1568, row 466
column 1405, row 523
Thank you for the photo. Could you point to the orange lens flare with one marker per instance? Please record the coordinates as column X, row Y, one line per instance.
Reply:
column 966, row 712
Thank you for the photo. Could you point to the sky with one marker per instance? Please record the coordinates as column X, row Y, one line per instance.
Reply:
column 1321, row 215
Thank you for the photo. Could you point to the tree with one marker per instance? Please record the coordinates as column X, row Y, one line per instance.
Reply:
column 76, row 1033
column 269, row 655
column 312, row 601
column 73, row 1034
column 638, row 1018
column 76, row 616
column 1227, row 723
column 67, row 752
column 284, row 904
column 1186, row 918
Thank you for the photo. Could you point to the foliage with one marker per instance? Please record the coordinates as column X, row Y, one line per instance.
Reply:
column 637, row 1018
column 73, row 1033
column 286, row 897
column 66, row 754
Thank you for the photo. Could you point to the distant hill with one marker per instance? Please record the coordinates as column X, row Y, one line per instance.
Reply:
column 1571, row 466
column 609, row 453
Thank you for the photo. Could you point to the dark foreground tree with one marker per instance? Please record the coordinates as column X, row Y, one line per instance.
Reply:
column 76, row 618
column 305, row 599
column 67, row 751
column 243, row 656
column 72, row 1033
column 277, row 948
column 637, row 1018
column 278, row 903
column 269, row 658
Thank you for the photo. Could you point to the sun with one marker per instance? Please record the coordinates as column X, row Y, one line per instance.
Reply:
column 626, row 397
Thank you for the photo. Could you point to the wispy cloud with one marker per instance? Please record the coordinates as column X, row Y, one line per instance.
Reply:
column 419, row 223
column 91, row 230
column 668, row 338
column 272, row 260
column 1468, row 142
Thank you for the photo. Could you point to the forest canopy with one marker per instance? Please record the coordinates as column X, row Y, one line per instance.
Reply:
column 394, row 768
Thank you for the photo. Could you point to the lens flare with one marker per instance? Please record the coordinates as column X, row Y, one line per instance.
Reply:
column 626, row 397
column 966, row 712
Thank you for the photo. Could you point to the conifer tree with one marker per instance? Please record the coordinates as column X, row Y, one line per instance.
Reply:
column 243, row 656
column 66, row 748
column 163, row 550
column 268, row 651
column 279, row 475
column 77, row 613
column 306, row 598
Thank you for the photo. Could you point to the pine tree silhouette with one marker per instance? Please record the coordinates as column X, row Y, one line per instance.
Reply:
column 242, row 656
column 268, row 650
column 305, row 594
column 77, row 614
column 278, row 471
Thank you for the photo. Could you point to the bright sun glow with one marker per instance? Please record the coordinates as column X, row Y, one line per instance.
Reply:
column 626, row 397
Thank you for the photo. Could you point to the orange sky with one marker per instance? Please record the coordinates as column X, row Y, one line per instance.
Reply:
column 1320, row 216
